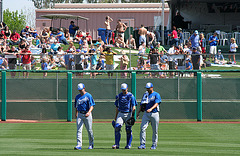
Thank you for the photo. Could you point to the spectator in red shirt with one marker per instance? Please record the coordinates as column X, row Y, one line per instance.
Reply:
column 14, row 38
column 174, row 37
column 89, row 38
column 26, row 60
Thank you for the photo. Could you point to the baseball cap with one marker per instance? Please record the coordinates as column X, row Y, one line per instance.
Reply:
column 81, row 86
column 124, row 86
column 149, row 85
column 195, row 32
column 219, row 50
column 187, row 59
column 194, row 48
column 27, row 27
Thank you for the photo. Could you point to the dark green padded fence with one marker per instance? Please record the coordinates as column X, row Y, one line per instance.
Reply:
column 43, row 99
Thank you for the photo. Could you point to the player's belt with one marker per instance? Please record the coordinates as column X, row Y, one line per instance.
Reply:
column 83, row 112
column 124, row 112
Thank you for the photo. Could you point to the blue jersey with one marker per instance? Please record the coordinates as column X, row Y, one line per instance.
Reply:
column 189, row 64
column 44, row 66
column 194, row 40
column 83, row 103
column 151, row 100
column 213, row 43
column 124, row 103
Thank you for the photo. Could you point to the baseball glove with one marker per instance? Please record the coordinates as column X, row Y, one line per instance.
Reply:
column 131, row 121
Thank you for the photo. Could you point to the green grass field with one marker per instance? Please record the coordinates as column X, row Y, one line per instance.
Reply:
column 174, row 139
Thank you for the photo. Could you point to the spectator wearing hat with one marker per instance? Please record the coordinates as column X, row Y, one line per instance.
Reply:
column 99, row 48
column 24, row 31
column 194, row 39
column 72, row 29
column 213, row 41
column 60, row 37
column 189, row 66
column 195, row 59
column 219, row 59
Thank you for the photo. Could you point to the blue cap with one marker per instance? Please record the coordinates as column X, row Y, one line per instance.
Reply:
column 195, row 32
column 81, row 86
column 124, row 86
column 149, row 85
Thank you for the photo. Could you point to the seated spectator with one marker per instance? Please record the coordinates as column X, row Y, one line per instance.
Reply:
column 44, row 34
column 3, row 38
column 141, row 64
column 44, row 66
column 99, row 48
column 43, row 44
column 3, row 63
column 60, row 37
column 44, row 54
column 54, row 47
column 99, row 40
column 51, row 62
column 67, row 35
column 14, row 38
column 88, row 38
column 33, row 63
column 123, row 64
column 219, row 59
column 69, row 60
column 24, row 31
column 71, row 47
column 160, row 48
column 84, row 46
column 60, row 57
column 33, row 32
column 29, row 40
column 79, row 36
column 142, row 49
column 132, row 43
column 7, row 32
column 100, row 64
column 22, row 45
column 51, row 39
column 119, row 41
column 38, row 41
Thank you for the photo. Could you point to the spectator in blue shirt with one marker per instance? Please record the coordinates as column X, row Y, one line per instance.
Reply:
column 213, row 41
column 219, row 59
column 194, row 39
column 61, row 38
column 189, row 66
column 72, row 29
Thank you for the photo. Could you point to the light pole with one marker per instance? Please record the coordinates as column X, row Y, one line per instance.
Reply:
column 162, row 28
column 1, row 5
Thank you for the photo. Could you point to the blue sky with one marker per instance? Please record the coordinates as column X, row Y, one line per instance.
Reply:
column 14, row 5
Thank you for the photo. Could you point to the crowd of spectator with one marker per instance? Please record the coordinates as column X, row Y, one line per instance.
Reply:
column 16, row 49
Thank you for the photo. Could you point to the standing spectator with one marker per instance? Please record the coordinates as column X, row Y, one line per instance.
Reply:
column 213, row 41
column 195, row 60
column 88, row 38
column 150, row 106
column 14, row 38
column 44, row 66
column 78, row 61
column 108, row 30
column 26, row 61
column 194, row 39
column 33, row 63
column 12, row 60
column 142, row 34
column 72, row 29
column 109, row 60
column 60, row 37
column 203, row 45
column 174, row 37
column 132, row 43
column 84, row 105
column 125, row 109
column 142, row 48
column 123, row 64
column 154, row 61
column 93, row 59
column 180, row 36
column 233, row 50
column 121, row 28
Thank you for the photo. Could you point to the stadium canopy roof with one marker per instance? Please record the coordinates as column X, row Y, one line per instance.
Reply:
column 64, row 16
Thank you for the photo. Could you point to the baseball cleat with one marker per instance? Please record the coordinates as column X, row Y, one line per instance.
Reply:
column 127, row 147
column 153, row 147
column 115, row 147
column 142, row 146
column 78, row 148
column 90, row 147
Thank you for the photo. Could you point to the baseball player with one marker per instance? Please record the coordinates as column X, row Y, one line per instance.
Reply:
column 150, row 105
column 84, row 104
column 125, row 109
